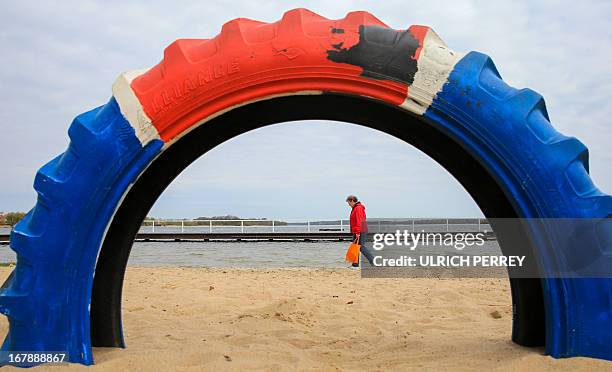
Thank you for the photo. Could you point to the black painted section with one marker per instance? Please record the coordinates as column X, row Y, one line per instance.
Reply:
column 383, row 53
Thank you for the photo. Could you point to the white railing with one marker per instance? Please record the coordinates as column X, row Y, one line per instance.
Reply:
column 273, row 224
column 322, row 224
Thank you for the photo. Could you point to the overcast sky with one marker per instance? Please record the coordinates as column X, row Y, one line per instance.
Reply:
column 60, row 59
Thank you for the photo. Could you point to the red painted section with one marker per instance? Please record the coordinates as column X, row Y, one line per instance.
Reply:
column 249, row 60
column 419, row 33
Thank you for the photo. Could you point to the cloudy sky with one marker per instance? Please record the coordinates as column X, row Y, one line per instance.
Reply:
column 60, row 59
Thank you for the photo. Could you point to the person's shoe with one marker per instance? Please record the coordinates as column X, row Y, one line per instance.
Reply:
column 355, row 265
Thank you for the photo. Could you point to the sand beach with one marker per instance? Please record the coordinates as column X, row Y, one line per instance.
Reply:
column 314, row 319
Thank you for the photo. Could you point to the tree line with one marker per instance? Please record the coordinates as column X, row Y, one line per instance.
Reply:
column 11, row 218
column 228, row 221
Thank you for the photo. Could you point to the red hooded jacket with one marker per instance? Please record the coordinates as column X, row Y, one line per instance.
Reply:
column 358, row 219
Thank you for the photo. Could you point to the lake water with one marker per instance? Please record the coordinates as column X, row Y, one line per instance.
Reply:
column 230, row 254
column 321, row 254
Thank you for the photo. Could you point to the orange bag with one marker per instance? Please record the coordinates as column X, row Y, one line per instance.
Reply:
column 352, row 253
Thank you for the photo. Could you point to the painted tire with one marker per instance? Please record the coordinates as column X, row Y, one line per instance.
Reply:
column 543, row 173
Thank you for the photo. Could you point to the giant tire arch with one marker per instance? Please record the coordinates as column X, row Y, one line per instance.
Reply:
column 72, row 247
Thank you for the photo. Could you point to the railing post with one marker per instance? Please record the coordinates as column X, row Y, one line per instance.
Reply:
column 272, row 225
column 210, row 226
column 413, row 225
column 478, row 224
column 153, row 226
column 341, row 227
column 308, row 226
column 182, row 226
column 447, row 225
column 242, row 226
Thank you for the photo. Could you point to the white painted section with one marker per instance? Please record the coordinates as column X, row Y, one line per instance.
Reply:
column 435, row 64
column 132, row 109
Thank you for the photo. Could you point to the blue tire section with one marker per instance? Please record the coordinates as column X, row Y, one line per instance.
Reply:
column 47, row 297
column 546, row 176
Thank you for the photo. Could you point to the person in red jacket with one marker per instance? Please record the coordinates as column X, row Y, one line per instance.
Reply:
column 358, row 223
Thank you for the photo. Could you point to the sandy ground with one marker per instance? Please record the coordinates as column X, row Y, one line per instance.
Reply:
column 315, row 319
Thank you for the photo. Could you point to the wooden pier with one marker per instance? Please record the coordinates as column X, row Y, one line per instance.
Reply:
column 248, row 236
